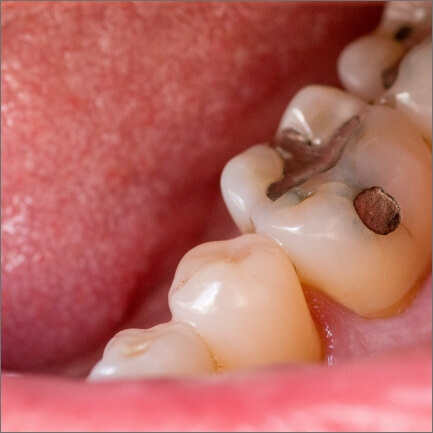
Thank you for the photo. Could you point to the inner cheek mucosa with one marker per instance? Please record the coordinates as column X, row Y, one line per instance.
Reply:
column 242, row 298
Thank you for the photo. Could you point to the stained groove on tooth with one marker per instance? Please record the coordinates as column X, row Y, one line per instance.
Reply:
column 170, row 349
column 244, row 298
column 361, row 64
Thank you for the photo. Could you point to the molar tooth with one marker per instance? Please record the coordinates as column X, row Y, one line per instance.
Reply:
column 170, row 349
column 411, row 93
column 244, row 298
column 318, row 225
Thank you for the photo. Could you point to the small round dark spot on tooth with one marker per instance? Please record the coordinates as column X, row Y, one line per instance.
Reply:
column 403, row 33
column 378, row 210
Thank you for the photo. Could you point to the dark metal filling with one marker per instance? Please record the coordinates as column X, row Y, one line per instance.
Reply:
column 403, row 33
column 303, row 159
column 378, row 210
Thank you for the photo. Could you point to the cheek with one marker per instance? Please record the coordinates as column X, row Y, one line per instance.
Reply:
column 117, row 120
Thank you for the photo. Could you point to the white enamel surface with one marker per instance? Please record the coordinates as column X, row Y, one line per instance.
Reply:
column 362, row 62
column 415, row 14
column 244, row 182
column 330, row 247
column 412, row 91
column 244, row 298
column 324, row 107
column 170, row 349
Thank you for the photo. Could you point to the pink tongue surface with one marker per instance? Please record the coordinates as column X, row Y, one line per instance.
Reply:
column 117, row 119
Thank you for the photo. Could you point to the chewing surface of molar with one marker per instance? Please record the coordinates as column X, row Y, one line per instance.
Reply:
column 317, row 224
column 244, row 298
column 169, row 349
column 411, row 93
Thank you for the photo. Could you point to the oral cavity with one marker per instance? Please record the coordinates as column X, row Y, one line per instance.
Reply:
column 340, row 202
column 393, row 65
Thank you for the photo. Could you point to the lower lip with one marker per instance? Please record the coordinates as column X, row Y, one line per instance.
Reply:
column 391, row 393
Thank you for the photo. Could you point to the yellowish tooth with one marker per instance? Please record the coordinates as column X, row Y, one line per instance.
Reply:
column 170, row 349
column 317, row 224
column 410, row 18
column 244, row 298
column 362, row 63
column 412, row 91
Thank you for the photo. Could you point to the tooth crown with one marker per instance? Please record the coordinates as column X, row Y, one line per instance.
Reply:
column 415, row 15
column 316, row 222
column 244, row 298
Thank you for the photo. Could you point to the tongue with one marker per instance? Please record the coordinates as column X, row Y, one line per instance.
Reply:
column 117, row 121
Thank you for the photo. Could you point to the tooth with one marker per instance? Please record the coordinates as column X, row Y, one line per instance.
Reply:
column 362, row 63
column 406, row 20
column 412, row 91
column 316, row 222
column 170, row 349
column 368, row 66
column 244, row 298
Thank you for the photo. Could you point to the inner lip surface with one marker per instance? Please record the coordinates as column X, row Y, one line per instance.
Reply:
column 36, row 396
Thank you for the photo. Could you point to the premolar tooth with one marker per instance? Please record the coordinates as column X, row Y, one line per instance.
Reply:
column 362, row 63
column 412, row 91
column 244, row 298
column 406, row 21
column 170, row 349
column 318, row 225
